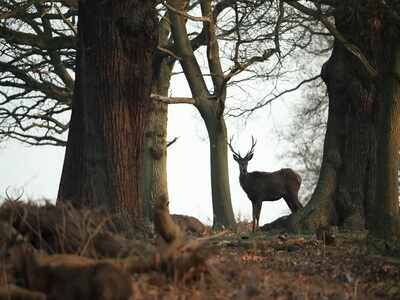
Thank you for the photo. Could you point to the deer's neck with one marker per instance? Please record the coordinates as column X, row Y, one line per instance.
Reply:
column 243, row 179
column 243, row 174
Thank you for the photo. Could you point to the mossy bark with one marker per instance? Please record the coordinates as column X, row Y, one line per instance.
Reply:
column 155, row 184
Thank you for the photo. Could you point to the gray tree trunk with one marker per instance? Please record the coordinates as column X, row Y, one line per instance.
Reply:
column 221, row 196
column 210, row 106
column 155, row 183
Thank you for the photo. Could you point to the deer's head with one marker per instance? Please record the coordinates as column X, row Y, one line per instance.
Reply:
column 243, row 161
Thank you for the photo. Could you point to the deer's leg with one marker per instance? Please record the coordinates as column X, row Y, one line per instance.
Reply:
column 297, row 202
column 254, row 214
column 258, row 206
column 293, row 202
column 289, row 202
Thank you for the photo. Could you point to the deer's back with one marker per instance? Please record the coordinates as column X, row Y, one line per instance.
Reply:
column 270, row 186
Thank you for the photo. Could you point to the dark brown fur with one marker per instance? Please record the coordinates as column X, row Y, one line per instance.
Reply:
column 267, row 186
column 271, row 186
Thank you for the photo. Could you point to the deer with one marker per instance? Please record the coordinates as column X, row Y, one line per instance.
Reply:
column 266, row 186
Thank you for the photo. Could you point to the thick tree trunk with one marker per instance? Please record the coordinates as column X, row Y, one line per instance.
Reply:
column 221, row 196
column 155, row 153
column 155, row 185
column 353, row 178
column 103, row 161
column 385, row 222
column 210, row 107
column 346, row 181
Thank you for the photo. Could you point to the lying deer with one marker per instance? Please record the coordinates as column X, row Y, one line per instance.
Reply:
column 266, row 186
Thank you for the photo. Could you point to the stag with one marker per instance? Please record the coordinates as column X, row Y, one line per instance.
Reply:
column 267, row 186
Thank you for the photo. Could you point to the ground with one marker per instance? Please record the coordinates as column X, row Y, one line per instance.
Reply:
column 236, row 264
column 268, row 266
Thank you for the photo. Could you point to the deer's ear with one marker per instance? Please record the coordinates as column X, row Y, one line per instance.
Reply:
column 250, row 156
column 235, row 157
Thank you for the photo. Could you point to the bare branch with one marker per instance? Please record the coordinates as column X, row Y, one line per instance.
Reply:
column 29, row 39
column 273, row 98
column 169, row 52
column 184, row 49
column 238, row 67
column 185, row 14
column 66, row 21
column 172, row 142
column 213, row 55
column 173, row 100
column 332, row 29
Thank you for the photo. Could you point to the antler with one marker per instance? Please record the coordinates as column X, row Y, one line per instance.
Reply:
column 251, row 151
column 230, row 147
column 249, row 154
column 8, row 197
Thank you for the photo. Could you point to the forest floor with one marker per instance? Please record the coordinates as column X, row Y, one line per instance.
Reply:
column 268, row 266
column 229, row 265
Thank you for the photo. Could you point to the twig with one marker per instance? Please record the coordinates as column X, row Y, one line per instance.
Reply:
column 172, row 142
column 268, row 101
column 332, row 29
column 66, row 21
column 93, row 234
column 169, row 52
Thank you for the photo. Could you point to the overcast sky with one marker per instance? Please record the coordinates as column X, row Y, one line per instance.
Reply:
column 36, row 171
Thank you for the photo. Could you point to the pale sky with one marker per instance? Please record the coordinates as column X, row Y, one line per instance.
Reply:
column 36, row 171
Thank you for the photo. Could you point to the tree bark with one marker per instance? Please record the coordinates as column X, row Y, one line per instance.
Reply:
column 358, row 177
column 155, row 153
column 221, row 196
column 209, row 105
column 385, row 222
column 103, row 164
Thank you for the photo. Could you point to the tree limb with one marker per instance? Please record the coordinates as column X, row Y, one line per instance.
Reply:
column 270, row 100
column 29, row 39
column 173, row 100
column 332, row 29
column 184, row 50
column 185, row 14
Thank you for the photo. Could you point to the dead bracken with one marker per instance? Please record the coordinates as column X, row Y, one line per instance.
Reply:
column 43, row 257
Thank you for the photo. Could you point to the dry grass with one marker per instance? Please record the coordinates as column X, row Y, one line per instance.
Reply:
column 233, row 265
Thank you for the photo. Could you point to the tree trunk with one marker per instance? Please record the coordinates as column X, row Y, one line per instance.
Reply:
column 155, row 153
column 346, row 181
column 210, row 106
column 221, row 196
column 385, row 222
column 155, row 185
column 103, row 164
column 352, row 181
